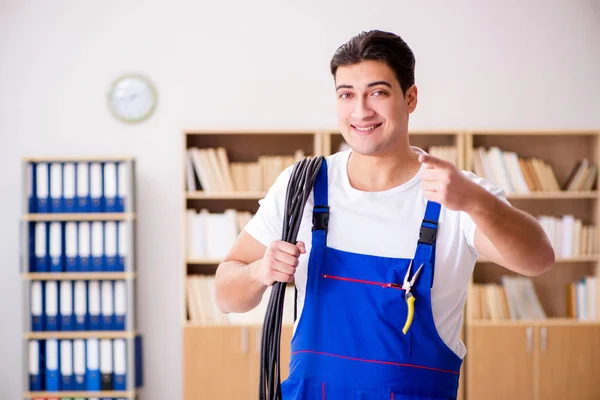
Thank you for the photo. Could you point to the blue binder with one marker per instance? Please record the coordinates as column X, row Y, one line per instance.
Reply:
column 71, row 251
column 41, row 247
column 79, row 365
column 31, row 187
column 82, row 198
column 37, row 306
column 52, row 366
column 69, row 188
column 67, row 321
column 122, row 185
column 96, row 188
column 36, row 366
column 42, row 187
column 111, row 203
column 80, row 305
column 51, row 305
column 56, row 188
column 67, row 382
column 92, row 376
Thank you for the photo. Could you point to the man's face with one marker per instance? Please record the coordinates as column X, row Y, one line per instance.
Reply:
column 372, row 110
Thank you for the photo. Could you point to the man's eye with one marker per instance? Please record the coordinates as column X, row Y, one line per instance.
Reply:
column 345, row 95
column 379, row 93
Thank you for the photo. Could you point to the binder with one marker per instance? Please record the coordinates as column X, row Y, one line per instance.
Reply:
column 110, row 245
column 71, row 259
column 56, row 187
column 67, row 322
column 122, row 185
column 79, row 371
column 83, row 201
column 31, row 195
column 42, row 187
column 94, row 305
column 35, row 366
column 51, row 305
column 84, row 262
column 107, row 305
column 37, row 306
column 120, row 305
column 69, row 187
column 66, row 365
column 110, row 187
column 97, row 246
column 56, row 252
column 96, row 187
column 120, row 364
column 52, row 366
column 106, row 364
column 121, row 246
column 41, row 247
column 92, row 377
column 80, row 306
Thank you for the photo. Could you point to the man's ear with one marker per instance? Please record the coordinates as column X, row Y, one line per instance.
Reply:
column 412, row 98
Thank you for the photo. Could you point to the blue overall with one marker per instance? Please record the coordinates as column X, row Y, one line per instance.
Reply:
column 349, row 342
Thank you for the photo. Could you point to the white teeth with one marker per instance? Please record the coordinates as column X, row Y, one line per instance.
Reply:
column 366, row 129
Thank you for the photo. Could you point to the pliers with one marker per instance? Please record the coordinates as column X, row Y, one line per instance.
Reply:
column 408, row 296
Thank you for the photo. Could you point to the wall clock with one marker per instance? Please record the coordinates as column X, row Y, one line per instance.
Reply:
column 132, row 98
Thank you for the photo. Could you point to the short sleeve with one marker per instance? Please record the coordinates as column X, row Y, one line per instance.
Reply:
column 267, row 224
column 466, row 221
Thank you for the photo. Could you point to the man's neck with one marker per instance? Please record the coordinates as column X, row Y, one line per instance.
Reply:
column 383, row 171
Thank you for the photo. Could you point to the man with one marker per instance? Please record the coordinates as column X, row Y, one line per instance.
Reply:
column 381, row 290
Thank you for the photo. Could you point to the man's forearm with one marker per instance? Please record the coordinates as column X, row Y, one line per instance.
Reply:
column 236, row 291
column 515, row 234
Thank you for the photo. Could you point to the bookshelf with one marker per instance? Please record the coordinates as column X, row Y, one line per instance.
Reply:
column 522, row 339
column 77, row 262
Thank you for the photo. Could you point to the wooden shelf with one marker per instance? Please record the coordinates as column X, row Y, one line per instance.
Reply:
column 79, row 217
column 537, row 322
column 199, row 195
column 203, row 262
column 579, row 259
column 78, row 276
column 80, row 335
column 567, row 195
column 98, row 394
column 534, row 132
column 77, row 159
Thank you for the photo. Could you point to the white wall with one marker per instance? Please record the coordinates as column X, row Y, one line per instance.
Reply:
column 259, row 64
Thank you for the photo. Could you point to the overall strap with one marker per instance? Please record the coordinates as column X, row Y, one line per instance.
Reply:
column 321, row 207
column 428, row 232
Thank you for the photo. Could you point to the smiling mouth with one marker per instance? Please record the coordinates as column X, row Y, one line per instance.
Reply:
column 366, row 128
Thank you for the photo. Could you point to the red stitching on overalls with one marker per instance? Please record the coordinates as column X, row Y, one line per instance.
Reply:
column 323, row 390
column 376, row 361
column 382, row 284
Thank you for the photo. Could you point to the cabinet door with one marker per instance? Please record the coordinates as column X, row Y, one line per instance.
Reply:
column 569, row 362
column 500, row 362
column 216, row 363
column 284, row 356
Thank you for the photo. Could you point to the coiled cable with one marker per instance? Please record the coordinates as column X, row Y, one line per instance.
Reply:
column 299, row 188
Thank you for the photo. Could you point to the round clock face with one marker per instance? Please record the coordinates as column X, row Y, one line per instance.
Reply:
column 132, row 98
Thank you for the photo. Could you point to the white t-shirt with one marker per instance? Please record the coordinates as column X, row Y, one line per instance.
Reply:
column 384, row 223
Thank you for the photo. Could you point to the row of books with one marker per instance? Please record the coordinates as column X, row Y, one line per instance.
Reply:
column 89, row 365
column 448, row 153
column 211, row 235
column 569, row 236
column 202, row 308
column 78, row 305
column 76, row 187
column 210, row 170
column 518, row 174
column 85, row 246
column 515, row 298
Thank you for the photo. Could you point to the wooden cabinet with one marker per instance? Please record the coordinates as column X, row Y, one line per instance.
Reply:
column 223, row 362
column 539, row 361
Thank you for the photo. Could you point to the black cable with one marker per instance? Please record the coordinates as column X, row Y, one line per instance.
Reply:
column 299, row 188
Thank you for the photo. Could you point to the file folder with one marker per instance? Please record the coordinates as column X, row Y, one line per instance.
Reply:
column 107, row 305
column 83, row 188
column 56, row 187
column 67, row 322
column 110, row 187
column 41, row 247
column 122, row 246
column 69, row 179
column 51, row 305
column 106, row 364
column 37, row 306
column 122, row 186
column 80, row 306
column 84, row 247
column 31, row 195
column 42, row 186
column 110, row 246
column 66, row 365
column 94, row 305
column 56, row 252
column 97, row 246
column 35, row 377
column 71, row 259
column 79, row 370
column 120, row 305
column 96, row 191
column 92, row 378
column 120, row 364
column 52, row 366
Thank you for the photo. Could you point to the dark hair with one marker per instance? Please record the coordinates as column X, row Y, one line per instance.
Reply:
column 378, row 46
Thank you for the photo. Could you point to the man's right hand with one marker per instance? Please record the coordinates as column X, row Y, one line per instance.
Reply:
column 279, row 263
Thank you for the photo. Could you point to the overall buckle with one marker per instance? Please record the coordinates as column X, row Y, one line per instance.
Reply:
column 320, row 218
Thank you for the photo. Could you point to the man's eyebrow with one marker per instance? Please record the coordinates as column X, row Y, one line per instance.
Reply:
column 369, row 85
